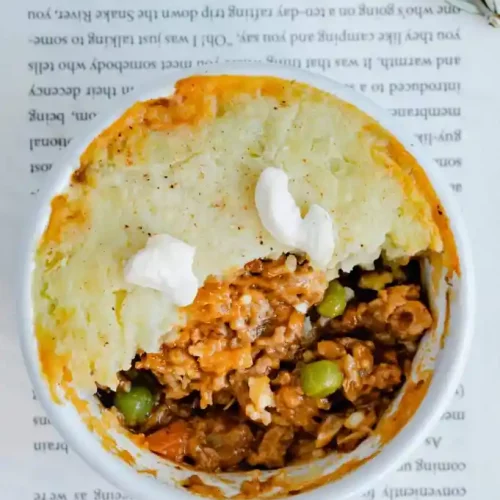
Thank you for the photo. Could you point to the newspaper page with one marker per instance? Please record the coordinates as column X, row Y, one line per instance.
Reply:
column 435, row 68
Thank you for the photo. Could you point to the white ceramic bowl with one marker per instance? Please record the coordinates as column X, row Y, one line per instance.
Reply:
column 447, row 362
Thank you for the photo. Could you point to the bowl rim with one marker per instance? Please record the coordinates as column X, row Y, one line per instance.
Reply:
column 435, row 401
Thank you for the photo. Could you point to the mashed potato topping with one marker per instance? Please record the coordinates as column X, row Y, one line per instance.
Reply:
column 187, row 166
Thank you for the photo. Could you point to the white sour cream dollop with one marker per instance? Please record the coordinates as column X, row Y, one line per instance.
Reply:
column 314, row 234
column 165, row 264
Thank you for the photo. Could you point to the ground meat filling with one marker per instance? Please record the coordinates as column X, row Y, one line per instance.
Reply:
column 240, row 386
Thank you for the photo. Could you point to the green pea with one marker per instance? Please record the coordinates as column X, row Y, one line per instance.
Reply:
column 135, row 405
column 334, row 301
column 321, row 378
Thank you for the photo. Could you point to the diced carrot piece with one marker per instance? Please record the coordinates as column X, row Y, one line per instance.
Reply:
column 170, row 442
